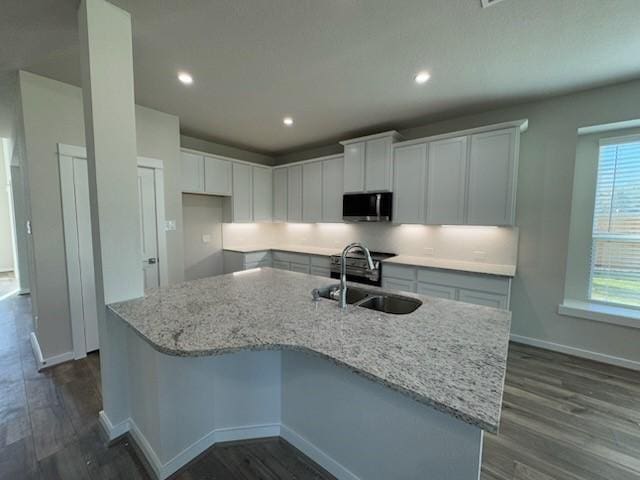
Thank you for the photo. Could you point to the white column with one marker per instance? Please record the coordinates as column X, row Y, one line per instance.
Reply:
column 109, row 111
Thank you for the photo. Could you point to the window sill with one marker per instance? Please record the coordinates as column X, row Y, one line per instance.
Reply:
column 626, row 317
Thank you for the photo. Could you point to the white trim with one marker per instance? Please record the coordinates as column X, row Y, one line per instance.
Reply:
column 72, row 150
column 150, row 163
column 317, row 455
column 112, row 431
column 616, row 315
column 48, row 362
column 389, row 133
column 309, row 160
column 11, row 293
column 522, row 125
column 222, row 157
column 608, row 127
column 577, row 352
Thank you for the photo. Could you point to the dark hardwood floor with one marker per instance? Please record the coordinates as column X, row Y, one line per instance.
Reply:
column 563, row 418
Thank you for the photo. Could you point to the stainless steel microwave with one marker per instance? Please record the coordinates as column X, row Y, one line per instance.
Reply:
column 367, row 207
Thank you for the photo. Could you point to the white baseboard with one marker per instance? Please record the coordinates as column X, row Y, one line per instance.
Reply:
column 112, row 431
column 317, row 455
column 42, row 362
column 577, row 352
column 10, row 294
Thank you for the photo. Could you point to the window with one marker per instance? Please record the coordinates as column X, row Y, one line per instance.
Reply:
column 615, row 251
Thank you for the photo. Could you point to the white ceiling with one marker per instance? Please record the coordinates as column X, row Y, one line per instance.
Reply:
column 339, row 67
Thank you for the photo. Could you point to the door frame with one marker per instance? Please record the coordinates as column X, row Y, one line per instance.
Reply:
column 68, row 152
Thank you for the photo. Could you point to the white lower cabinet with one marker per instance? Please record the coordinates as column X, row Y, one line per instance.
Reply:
column 281, row 265
column 479, row 289
column 300, row 268
column 439, row 291
column 482, row 298
column 320, row 271
column 238, row 261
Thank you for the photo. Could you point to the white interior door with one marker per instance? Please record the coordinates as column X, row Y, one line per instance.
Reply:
column 148, row 227
column 78, row 244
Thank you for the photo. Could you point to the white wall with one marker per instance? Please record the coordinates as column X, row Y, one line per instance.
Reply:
column 52, row 113
column 547, row 157
column 6, row 238
column 499, row 245
column 202, row 215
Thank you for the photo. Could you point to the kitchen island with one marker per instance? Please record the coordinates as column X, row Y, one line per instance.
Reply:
column 365, row 394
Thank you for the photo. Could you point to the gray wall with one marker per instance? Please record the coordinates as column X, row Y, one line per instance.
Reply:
column 52, row 113
column 224, row 150
column 202, row 215
column 547, row 157
column 6, row 237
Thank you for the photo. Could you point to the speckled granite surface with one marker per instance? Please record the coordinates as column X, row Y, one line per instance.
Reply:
column 449, row 355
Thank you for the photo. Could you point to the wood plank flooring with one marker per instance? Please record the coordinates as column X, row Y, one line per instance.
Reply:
column 563, row 418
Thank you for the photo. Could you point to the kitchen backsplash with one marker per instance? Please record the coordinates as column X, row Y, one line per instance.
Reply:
column 497, row 245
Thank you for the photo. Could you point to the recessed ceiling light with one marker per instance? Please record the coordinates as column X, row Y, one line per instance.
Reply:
column 288, row 121
column 185, row 78
column 422, row 77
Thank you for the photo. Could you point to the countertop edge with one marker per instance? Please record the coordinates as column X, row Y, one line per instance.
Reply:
column 466, row 418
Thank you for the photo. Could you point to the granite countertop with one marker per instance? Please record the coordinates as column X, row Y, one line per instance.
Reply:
column 460, row 265
column 448, row 355
column 414, row 261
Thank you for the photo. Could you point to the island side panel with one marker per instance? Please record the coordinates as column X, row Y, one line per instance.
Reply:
column 180, row 406
column 358, row 429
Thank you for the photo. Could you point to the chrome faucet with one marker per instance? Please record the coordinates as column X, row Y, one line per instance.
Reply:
column 343, row 269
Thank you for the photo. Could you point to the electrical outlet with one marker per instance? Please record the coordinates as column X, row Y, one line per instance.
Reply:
column 206, row 238
column 169, row 225
column 429, row 251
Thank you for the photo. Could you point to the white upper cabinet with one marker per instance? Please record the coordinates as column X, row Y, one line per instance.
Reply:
column 241, row 200
column 262, row 194
column 217, row 176
column 492, row 175
column 312, row 192
column 280, row 194
column 378, row 165
column 294, row 193
column 368, row 163
column 446, row 177
column 354, row 167
column 332, row 185
column 192, row 170
column 409, row 178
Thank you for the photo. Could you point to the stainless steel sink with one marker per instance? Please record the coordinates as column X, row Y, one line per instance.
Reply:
column 372, row 299
column 394, row 304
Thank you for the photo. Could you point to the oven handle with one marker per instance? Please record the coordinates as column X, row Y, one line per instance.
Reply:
column 378, row 200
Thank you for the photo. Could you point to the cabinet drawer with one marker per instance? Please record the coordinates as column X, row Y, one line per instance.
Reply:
column 318, row 261
column 401, row 285
column 291, row 257
column 281, row 265
column 469, row 281
column 438, row 291
column 482, row 298
column 396, row 271
column 255, row 257
column 300, row 267
column 320, row 271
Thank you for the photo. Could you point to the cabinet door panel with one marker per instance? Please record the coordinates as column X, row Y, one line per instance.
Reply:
column 446, row 177
column 492, row 166
column 409, row 180
column 400, row 285
column 439, row 291
column 312, row 192
column 281, row 265
column 242, row 193
column 294, row 194
column 354, row 167
column 217, row 176
column 378, row 168
column 300, row 267
column 192, row 172
column 280, row 195
column 320, row 271
column 262, row 194
column 482, row 298
column 332, row 190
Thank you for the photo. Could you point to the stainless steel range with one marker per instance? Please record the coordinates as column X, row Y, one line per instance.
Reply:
column 357, row 270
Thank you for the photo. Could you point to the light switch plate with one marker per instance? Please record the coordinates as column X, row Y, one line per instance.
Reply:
column 206, row 238
column 169, row 225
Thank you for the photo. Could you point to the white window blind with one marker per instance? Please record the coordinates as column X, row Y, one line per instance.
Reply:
column 615, row 255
